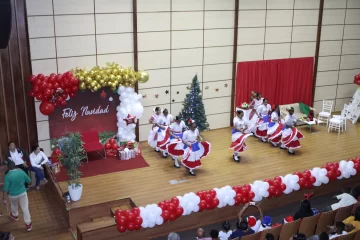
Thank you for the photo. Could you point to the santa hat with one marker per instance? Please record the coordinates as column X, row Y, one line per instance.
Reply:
column 267, row 221
column 288, row 219
column 251, row 221
column 190, row 121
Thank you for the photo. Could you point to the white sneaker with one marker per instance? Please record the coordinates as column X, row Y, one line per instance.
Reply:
column 164, row 154
column 236, row 158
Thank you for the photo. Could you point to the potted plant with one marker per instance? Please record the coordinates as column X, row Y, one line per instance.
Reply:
column 72, row 153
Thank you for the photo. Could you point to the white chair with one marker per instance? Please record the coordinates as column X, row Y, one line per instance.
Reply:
column 325, row 113
column 338, row 122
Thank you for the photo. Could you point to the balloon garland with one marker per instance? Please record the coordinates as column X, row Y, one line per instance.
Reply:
column 169, row 210
column 357, row 79
column 54, row 90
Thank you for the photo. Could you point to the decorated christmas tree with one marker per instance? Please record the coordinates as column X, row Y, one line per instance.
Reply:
column 193, row 106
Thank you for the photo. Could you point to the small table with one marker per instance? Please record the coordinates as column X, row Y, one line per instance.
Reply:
column 310, row 123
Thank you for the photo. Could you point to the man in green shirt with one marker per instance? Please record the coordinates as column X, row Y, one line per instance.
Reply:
column 14, row 186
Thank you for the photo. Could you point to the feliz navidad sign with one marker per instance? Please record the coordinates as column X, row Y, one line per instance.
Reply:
column 89, row 111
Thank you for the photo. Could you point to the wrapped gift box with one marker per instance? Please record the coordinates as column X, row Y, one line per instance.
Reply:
column 126, row 155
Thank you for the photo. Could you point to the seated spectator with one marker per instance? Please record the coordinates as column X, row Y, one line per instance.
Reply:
column 242, row 229
column 214, row 234
column 304, row 210
column 321, row 236
column 173, row 236
column 37, row 159
column 299, row 236
column 346, row 199
column 337, row 230
column 269, row 236
column 352, row 223
column 200, row 234
column 225, row 232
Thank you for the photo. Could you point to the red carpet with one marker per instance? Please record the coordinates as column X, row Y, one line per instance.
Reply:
column 100, row 166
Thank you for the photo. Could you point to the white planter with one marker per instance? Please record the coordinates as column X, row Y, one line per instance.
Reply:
column 75, row 192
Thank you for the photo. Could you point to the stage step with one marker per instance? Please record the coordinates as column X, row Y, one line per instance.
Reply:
column 123, row 207
column 99, row 219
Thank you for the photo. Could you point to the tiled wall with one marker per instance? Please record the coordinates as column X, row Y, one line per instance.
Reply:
column 339, row 54
column 180, row 38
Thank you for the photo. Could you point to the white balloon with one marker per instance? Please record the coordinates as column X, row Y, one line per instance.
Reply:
column 159, row 220
column 196, row 208
column 152, row 217
column 326, row 180
column 151, row 224
column 350, row 163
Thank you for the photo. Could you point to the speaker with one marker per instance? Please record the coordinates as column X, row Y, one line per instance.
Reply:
column 5, row 23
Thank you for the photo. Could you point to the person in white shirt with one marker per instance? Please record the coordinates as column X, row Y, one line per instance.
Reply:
column 346, row 199
column 194, row 148
column 37, row 159
column 337, row 230
column 262, row 125
column 163, row 137
column 225, row 232
column 290, row 117
column 176, row 147
column 19, row 157
column 275, row 127
column 238, row 135
column 290, row 134
column 153, row 133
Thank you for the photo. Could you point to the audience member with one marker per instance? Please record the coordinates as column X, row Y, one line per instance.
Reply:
column 214, row 234
column 265, row 223
column 352, row 223
column 225, row 232
column 19, row 157
column 337, row 230
column 321, row 236
column 304, row 210
column 6, row 236
column 14, row 186
column 38, row 158
column 200, row 234
column 269, row 236
column 299, row 236
column 346, row 199
column 173, row 236
column 242, row 229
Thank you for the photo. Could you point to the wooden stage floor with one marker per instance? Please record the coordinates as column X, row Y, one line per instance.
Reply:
column 260, row 161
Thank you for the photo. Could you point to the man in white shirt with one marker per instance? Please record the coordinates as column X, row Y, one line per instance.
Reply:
column 346, row 199
column 290, row 117
column 19, row 157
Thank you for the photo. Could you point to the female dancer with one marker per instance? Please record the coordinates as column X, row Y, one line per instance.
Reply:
column 290, row 135
column 153, row 134
column 262, row 125
column 255, row 104
column 194, row 148
column 163, row 135
column 275, row 127
column 238, row 135
column 176, row 147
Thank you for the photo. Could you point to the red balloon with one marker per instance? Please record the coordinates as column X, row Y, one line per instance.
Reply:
column 216, row 202
column 63, row 103
column 72, row 95
column 114, row 146
column 179, row 211
column 137, row 226
column 247, row 187
column 40, row 76
column 336, row 165
column 75, row 81
column 277, row 184
column 244, row 200
column 160, row 204
column 138, row 220
column 237, row 202
column 271, row 182
column 121, row 228
column 56, row 85
column 306, row 175
column 112, row 141
column 68, row 74
column 308, row 172
column 59, row 100
column 121, row 221
column 39, row 96
column 244, row 191
column 270, row 195
column 202, row 204
column 48, row 92
column 298, row 173
column 130, row 226
column 74, row 89
column 302, row 182
column 208, row 206
column 338, row 173
column 278, row 179
column 312, row 179
column 31, row 93
column 271, row 190
column 131, row 216
column 277, row 193
column 213, row 193
column 251, row 195
column 36, row 89
column 43, row 85
column 208, row 198
column 171, row 208
column 238, row 197
column 175, row 201
column 165, row 215
column 67, row 90
column 32, row 78
column 64, row 96
column 283, row 187
column 172, row 217
column 107, row 146
column 118, row 212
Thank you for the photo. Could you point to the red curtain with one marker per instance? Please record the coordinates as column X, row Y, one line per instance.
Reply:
column 281, row 81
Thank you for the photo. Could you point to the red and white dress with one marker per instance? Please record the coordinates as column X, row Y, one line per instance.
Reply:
column 237, row 137
column 193, row 154
column 262, row 124
column 176, row 146
column 275, row 129
column 163, row 135
column 153, row 133
column 291, row 137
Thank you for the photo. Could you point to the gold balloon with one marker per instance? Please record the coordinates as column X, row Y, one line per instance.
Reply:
column 126, row 77
column 107, row 72
column 85, row 73
column 95, row 89
column 115, row 71
column 88, row 86
column 81, row 78
column 144, row 77
column 112, row 77
column 101, row 81
column 88, row 80
column 93, row 84
column 98, row 77
column 82, row 86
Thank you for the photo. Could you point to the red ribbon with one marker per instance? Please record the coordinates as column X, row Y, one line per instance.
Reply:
column 308, row 196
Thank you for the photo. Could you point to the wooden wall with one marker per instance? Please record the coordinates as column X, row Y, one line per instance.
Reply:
column 17, row 111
